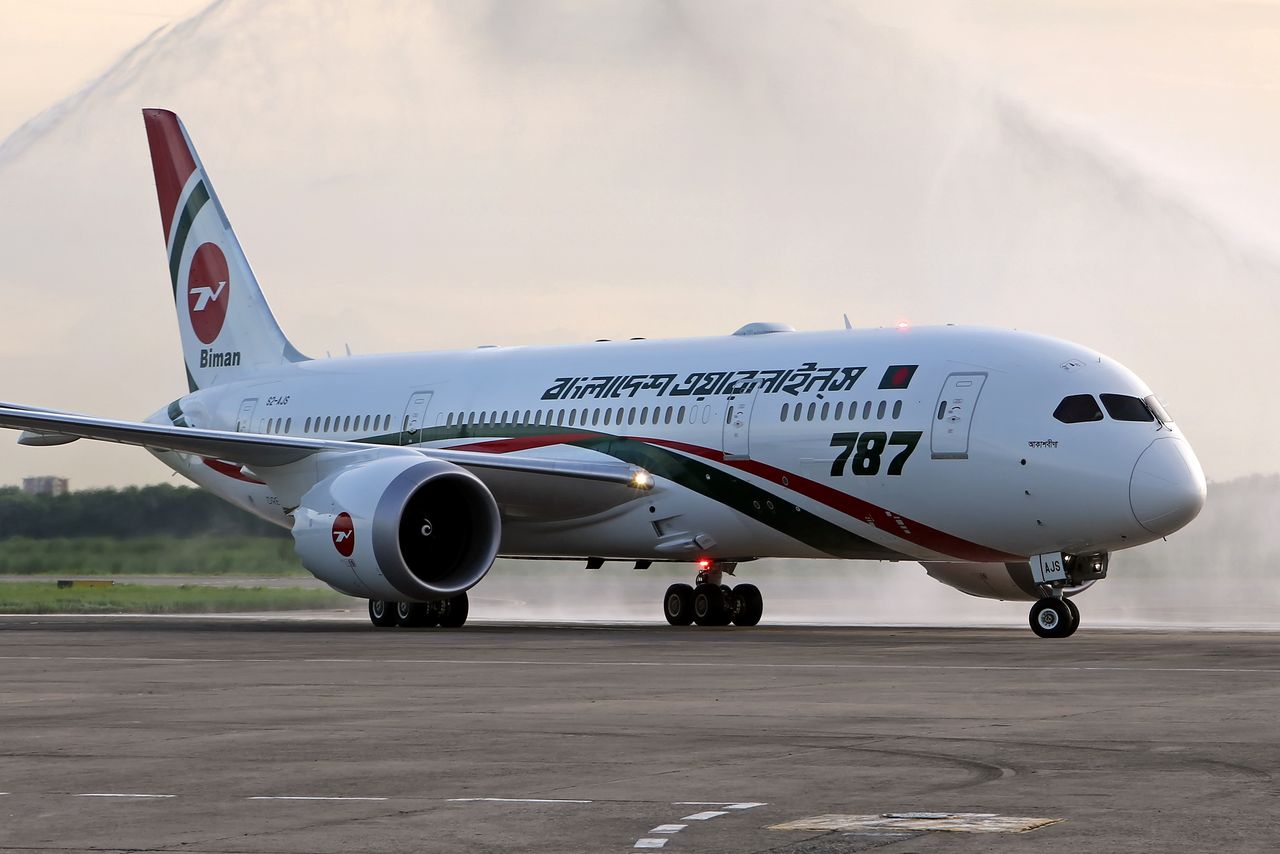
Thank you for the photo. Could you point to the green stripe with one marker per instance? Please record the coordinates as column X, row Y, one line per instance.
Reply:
column 695, row 475
column 195, row 202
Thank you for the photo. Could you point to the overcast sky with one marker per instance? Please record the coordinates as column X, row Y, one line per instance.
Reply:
column 1100, row 171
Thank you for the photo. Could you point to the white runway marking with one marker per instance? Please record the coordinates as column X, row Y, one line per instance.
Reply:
column 650, row 843
column 519, row 800
column 309, row 798
column 669, row 828
column 1015, row 668
column 704, row 816
column 120, row 795
column 745, row 805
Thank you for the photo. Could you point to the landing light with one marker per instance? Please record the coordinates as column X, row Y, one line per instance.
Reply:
column 641, row 479
column 902, row 324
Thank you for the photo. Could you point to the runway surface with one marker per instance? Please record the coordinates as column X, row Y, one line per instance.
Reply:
column 202, row 735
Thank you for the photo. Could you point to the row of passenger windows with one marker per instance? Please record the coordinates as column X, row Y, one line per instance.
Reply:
column 334, row 424
column 1079, row 408
column 827, row 411
column 581, row 417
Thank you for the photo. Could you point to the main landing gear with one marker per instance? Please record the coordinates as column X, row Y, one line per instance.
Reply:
column 710, row 603
column 446, row 613
column 1055, row 617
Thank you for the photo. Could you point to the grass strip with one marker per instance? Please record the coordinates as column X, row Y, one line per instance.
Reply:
column 162, row 555
column 38, row 597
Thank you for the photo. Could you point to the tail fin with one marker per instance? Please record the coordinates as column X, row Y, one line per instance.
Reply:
column 227, row 328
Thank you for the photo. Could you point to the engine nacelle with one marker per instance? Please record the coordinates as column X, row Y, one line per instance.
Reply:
column 402, row 529
column 1008, row 581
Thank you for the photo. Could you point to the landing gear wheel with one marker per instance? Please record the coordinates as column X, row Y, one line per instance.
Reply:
column 1075, row 617
column 416, row 615
column 381, row 614
column 677, row 605
column 453, row 612
column 750, row 605
column 709, row 607
column 1051, row 618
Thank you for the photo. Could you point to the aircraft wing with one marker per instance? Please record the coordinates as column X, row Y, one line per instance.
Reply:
column 257, row 450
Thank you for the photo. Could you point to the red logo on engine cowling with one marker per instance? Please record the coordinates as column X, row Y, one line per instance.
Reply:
column 344, row 534
column 208, row 292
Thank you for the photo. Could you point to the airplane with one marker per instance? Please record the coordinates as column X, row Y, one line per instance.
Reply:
column 1009, row 464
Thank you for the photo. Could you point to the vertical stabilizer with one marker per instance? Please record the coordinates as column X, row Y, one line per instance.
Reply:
column 227, row 328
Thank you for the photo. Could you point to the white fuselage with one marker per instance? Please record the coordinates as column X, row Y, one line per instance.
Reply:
column 782, row 444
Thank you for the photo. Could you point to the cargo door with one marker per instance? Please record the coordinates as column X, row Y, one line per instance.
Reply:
column 954, row 416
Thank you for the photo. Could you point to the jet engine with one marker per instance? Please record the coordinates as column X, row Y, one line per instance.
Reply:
column 401, row 529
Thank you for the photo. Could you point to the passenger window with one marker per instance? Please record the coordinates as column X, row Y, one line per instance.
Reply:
column 288, row 424
column 680, row 415
column 826, row 410
column 306, row 427
column 644, row 413
column 812, row 408
column 1078, row 408
column 1122, row 407
column 795, row 413
column 786, row 407
column 327, row 419
column 866, row 411
column 897, row 409
column 853, row 411
column 839, row 410
column 880, row 411
column 631, row 416
column 670, row 412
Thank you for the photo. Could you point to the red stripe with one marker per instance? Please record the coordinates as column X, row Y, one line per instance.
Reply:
column 523, row 443
column 230, row 470
column 171, row 161
column 885, row 520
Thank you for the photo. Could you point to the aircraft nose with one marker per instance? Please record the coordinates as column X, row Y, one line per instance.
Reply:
column 1167, row 488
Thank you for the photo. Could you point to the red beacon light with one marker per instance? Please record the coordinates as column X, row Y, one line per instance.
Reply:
column 704, row 563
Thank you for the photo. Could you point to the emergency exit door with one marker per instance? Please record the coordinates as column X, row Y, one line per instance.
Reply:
column 954, row 416
column 415, row 416
column 737, row 426
column 244, row 421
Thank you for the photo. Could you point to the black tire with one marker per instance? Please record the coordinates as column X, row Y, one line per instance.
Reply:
column 416, row 615
column 750, row 605
column 709, row 607
column 1051, row 618
column 382, row 614
column 677, row 605
column 453, row 612
column 1075, row 618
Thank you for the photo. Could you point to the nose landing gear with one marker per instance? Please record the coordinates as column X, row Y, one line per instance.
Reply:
column 708, row 602
column 1054, row 617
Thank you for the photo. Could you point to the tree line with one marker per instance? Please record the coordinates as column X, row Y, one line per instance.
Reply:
column 146, row 511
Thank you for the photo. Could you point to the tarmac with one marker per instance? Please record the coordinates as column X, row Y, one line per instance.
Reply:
column 321, row 735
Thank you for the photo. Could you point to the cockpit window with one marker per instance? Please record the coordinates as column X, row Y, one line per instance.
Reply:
column 1157, row 408
column 1122, row 407
column 1078, row 408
